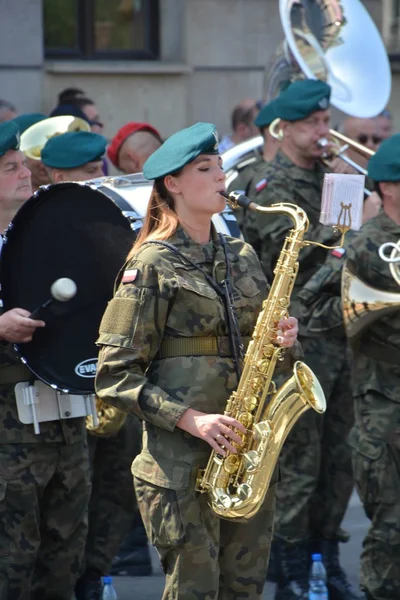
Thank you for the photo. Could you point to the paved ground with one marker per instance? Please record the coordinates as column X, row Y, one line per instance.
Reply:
column 150, row 588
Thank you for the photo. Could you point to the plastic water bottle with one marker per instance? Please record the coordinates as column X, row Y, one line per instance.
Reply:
column 317, row 589
column 109, row 592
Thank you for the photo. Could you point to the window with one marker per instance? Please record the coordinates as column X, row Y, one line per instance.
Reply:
column 391, row 26
column 101, row 29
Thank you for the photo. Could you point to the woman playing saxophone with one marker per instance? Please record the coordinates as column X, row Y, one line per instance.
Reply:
column 172, row 341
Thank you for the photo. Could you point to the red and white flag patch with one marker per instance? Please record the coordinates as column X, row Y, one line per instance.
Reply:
column 338, row 252
column 129, row 276
column 261, row 185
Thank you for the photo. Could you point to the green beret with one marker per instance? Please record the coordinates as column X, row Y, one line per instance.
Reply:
column 27, row 120
column 385, row 164
column 180, row 149
column 267, row 114
column 9, row 137
column 73, row 149
column 302, row 98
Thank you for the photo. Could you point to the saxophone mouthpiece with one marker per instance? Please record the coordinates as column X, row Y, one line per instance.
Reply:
column 236, row 199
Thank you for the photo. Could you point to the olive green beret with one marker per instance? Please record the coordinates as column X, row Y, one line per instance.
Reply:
column 9, row 137
column 385, row 164
column 302, row 98
column 267, row 114
column 73, row 149
column 180, row 149
column 27, row 120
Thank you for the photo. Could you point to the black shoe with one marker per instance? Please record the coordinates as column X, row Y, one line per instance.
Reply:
column 293, row 573
column 339, row 587
column 135, row 563
column 89, row 588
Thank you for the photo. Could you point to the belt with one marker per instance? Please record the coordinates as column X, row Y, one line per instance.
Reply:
column 198, row 346
column 14, row 374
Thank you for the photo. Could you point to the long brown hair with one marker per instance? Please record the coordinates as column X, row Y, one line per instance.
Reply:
column 161, row 220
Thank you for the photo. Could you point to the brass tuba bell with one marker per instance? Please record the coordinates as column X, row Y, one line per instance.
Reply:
column 363, row 304
column 393, row 259
column 34, row 138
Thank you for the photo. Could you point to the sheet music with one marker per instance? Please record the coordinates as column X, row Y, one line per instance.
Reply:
column 342, row 200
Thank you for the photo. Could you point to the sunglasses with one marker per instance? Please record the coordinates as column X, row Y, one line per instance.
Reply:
column 363, row 138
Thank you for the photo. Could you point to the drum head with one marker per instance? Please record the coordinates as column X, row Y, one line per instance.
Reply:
column 67, row 230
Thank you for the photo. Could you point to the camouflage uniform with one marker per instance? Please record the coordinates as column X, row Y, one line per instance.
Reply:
column 375, row 438
column 112, row 503
column 44, row 493
column 246, row 170
column 316, row 466
column 170, row 301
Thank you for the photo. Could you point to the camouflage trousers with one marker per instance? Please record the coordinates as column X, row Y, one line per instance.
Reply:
column 375, row 441
column 203, row 556
column 316, row 471
column 112, row 504
column 44, row 494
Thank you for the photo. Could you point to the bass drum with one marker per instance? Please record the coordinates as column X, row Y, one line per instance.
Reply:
column 82, row 231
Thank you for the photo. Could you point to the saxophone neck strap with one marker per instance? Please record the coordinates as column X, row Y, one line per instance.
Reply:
column 224, row 290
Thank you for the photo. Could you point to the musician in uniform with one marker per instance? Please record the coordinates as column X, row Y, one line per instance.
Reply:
column 44, row 482
column 251, row 163
column 132, row 145
column 74, row 156
column 376, row 382
column 315, row 461
column 38, row 171
column 167, row 341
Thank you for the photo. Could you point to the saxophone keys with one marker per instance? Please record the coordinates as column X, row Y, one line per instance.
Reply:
column 251, row 461
column 231, row 463
column 262, row 431
column 244, row 491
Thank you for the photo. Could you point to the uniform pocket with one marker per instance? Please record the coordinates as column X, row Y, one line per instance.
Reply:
column 375, row 470
column 122, row 318
column 160, row 513
column 248, row 286
column 198, row 285
column 162, row 472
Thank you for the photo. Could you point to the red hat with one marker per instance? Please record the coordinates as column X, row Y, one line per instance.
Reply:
column 123, row 133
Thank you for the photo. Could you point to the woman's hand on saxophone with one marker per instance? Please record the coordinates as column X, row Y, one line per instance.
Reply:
column 216, row 430
column 288, row 330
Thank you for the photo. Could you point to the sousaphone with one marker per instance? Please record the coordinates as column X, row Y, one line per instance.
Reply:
column 35, row 137
column 335, row 41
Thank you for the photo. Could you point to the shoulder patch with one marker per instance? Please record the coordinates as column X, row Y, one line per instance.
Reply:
column 338, row 252
column 129, row 276
column 261, row 185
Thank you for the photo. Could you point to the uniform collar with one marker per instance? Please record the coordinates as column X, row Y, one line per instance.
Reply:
column 295, row 172
column 387, row 224
column 198, row 253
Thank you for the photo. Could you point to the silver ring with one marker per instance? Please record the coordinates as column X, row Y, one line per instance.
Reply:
column 219, row 436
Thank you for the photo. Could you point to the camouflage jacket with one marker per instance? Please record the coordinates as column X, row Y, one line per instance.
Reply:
column 383, row 336
column 319, row 301
column 169, row 299
column 15, row 432
column 246, row 170
column 282, row 181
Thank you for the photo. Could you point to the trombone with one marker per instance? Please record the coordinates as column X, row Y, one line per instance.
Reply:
column 339, row 150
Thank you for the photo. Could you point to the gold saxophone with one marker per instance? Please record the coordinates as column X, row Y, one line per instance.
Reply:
column 237, row 484
column 110, row 420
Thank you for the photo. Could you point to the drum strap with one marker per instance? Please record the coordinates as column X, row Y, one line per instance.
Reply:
column 14, row 374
